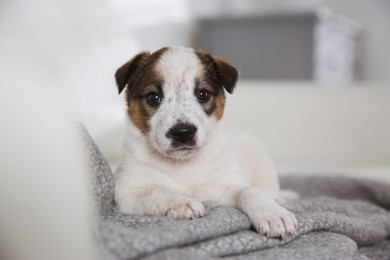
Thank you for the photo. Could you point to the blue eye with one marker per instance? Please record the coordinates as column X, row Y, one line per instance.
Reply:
column 203, row 95
column 153, row 99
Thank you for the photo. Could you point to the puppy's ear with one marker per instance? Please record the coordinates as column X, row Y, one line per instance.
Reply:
column 218, row 70
column 127, row 73
column 227, row 74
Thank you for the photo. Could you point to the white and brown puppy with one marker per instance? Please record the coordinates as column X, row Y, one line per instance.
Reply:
column 175, row 156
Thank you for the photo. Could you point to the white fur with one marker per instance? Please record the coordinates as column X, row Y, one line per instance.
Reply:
column 235, row 172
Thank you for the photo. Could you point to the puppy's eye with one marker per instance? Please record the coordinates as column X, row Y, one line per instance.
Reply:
column 153, row 99
column 203, row 95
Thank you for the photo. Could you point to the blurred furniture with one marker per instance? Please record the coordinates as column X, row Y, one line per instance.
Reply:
column 262, row 47
column 285, row 45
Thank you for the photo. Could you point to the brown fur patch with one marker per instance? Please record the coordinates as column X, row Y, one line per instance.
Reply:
column 218, row 71
column 140, row 78
column 220, row 106
column 215, row 105
column 217, row 75
column 136, row 114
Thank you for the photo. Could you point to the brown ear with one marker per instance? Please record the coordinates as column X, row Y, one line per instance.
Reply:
column 221, row 72
column 126, row 74
column 227, row 74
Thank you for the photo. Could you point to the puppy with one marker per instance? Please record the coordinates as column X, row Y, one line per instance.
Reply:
column 175, row 156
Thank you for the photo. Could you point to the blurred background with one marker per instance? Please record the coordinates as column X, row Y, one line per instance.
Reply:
column 314, row 88
column 314, row 83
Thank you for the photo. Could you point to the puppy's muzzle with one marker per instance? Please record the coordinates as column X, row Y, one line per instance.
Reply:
column 182, row 134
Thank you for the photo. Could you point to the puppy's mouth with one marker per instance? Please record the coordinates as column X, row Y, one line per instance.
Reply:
column 182, row 152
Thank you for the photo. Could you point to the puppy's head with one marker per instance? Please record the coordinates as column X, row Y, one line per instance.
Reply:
column 175, row 97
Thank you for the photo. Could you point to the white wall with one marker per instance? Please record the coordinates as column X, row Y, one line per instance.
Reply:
column 308, row 128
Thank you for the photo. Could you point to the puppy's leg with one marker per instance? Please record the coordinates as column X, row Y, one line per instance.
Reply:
column 262, row 173
column 258, row 164
column 267, row 216
column 157, row 200
column 260, row 202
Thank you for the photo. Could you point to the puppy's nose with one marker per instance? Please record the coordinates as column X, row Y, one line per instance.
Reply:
column 182, row 132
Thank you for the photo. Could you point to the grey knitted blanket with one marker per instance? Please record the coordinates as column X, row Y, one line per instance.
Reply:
column 339, row 218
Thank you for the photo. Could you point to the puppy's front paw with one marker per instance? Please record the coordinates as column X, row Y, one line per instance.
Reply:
column 186, row 209
column 274, row 221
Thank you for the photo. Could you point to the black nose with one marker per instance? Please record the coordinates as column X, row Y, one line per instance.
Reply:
column 182, row 132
